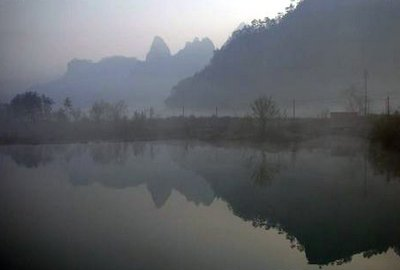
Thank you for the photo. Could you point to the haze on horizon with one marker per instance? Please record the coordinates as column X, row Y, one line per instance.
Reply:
column 38, row 38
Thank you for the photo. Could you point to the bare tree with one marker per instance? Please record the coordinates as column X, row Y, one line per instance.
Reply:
column 119, row 110
column 151, row 112
column 98, row 111
column 354, row 99
column 104, row 111
column 67, row 104
column 263, row 110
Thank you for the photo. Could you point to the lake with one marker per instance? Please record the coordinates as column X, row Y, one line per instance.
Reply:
column 191, row 205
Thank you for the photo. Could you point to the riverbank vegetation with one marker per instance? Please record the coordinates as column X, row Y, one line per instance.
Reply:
column 32, row 118
column 386, row 132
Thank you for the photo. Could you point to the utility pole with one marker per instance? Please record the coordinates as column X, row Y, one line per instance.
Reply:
column 294, row 109
column 216, row 111
column 365, row 92
column 388, row 105
column 183, row 104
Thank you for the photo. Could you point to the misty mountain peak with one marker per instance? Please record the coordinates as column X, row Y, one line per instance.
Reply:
column 78, row 66
column 158, row 50
column 197, row 47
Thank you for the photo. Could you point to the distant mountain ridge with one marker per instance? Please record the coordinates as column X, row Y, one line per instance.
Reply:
column 141, row 84
column 314, row 51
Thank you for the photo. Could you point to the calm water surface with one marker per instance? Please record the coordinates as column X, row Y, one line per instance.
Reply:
column 178, row 205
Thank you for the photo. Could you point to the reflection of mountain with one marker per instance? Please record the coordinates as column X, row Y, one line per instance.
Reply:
column 324, row 201
column 29, row 156
column 135, row 164
column 332, row 205
column 119, row 165
column 139, row 83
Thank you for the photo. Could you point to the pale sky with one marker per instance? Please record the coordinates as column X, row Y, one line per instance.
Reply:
column 39, row 37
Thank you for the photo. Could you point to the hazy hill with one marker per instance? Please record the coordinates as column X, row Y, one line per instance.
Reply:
column 312, row 53
column 140, row 84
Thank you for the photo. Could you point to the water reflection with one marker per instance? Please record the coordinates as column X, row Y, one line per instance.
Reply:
column 29, row 156
column 385, row 163
column 263, row 170
column 331, row 202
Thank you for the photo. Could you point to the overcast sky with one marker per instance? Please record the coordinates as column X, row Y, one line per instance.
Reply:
column 38, row 37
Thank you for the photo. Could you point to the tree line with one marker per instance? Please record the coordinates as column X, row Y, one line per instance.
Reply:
column 34, row 118
column 31, row 117
column 33, row 107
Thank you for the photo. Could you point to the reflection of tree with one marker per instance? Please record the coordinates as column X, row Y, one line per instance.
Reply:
column 396, row 249
column 109, row 153
column 260, row 222
column 316, row 205
column 293, row 157
column 138, row 149
column 264, row 171
column 30, row 156
column 373, row 252
column 342, row 261
column 385, row 162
